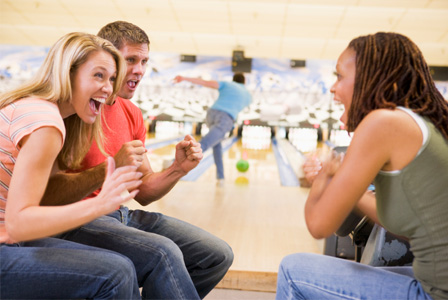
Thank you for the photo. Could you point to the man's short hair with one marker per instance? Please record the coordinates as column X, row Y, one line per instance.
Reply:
column 239, row 77
column 121, row 32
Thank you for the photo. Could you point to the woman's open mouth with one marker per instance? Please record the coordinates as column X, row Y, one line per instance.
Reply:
column 95, row 104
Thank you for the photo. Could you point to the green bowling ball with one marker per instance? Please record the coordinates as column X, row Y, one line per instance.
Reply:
column 242, row 165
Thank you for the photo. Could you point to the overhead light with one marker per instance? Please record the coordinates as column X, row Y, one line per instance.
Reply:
column 241, row 63
column 187, row 58
column 439, row 73
column 295, row 63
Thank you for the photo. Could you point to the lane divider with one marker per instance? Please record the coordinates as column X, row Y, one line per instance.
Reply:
column 162, row 143
column 287, row 175
column 207, row 161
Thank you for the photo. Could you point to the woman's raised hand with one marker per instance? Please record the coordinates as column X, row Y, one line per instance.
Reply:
column 117, row 183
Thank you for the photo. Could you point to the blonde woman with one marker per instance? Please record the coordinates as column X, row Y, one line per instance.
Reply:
column 53, row 119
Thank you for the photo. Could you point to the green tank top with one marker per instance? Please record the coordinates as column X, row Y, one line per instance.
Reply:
column 413, row 202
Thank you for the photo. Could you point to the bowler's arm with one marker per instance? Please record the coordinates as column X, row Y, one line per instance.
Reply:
column 207, row 83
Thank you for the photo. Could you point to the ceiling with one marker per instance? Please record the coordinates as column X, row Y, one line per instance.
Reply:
column 294, row 29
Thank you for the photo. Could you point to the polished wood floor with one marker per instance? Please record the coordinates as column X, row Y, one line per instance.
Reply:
column 261, row 220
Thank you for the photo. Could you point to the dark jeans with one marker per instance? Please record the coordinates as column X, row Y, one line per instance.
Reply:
column 173, row 259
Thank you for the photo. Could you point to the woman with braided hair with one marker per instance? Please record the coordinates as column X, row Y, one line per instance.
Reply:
column 400, row 121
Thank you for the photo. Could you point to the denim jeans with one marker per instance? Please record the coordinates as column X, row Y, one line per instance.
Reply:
column 314, row 276
column 55, row 269
column 173, row 259
column 219, row 124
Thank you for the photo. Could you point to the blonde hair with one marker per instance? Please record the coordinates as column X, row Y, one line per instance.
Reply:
column 52, row 82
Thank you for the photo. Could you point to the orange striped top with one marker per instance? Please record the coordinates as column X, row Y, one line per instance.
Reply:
column 18, row 120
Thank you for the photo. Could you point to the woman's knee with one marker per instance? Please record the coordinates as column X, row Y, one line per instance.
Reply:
column 299, row 261
column 116, row 266
column 119, row 277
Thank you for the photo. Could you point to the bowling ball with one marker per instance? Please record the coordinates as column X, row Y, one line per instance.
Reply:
column 242, row 165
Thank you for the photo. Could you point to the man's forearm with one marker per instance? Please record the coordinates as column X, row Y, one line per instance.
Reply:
column 65, row 188
column 157, row 185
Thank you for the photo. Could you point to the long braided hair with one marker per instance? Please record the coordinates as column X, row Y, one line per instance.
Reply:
column 391, row 72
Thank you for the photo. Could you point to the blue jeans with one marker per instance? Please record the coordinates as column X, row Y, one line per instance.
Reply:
column 55, row 269
column 314, row 276
column 173, row 259
column 219, row 124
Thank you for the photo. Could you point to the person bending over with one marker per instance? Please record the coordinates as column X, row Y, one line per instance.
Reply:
column 233, row 98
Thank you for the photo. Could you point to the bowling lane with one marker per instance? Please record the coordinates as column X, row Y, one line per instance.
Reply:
column 255, row 147
column 262, row 166
column 275, row 162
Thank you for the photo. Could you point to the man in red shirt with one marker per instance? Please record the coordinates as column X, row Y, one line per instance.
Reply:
column 173, row 259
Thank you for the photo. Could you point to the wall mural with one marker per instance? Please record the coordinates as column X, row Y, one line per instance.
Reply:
column 282, row 96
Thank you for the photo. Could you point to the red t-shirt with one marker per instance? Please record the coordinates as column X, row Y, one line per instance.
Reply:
column 124, row 124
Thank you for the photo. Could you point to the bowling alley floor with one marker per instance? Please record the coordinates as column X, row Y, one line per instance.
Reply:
column 229, row 294
column 260, row 219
